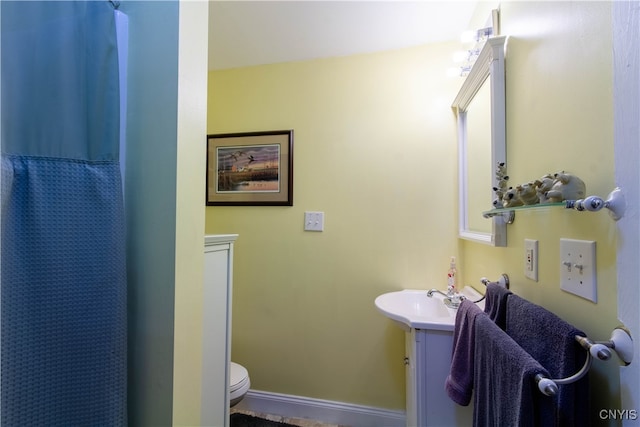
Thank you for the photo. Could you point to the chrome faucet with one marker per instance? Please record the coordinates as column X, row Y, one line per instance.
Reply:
column 451, row 299
column 436, row 291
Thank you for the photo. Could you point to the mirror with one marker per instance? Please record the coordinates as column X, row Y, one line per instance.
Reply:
column 480, row 111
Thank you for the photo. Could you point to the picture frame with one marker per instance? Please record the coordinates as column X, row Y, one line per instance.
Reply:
column 250, row 169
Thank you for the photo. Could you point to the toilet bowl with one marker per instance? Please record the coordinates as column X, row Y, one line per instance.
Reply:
column 238, row 383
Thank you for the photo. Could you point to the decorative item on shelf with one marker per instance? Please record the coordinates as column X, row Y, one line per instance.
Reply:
column 560, row 189
column 566, row 187
column 615, row 203
column 549, row 188
column 510, row 198
column 527, row 194
column 501, row 184
column 543, row 185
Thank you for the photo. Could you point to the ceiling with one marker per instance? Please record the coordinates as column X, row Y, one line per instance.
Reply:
column 245, row 33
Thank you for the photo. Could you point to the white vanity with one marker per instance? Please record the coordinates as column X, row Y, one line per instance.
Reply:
column 428, row 358
column 428, row 326
column 216, row 326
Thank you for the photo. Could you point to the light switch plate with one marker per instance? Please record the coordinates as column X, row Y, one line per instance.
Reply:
column 531, row 259
column 314, row 221
column 578, row 268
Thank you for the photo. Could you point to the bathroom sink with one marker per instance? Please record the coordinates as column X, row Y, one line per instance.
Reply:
column 412, row 308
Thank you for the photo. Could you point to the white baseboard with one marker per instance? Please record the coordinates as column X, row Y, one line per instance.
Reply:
column 327, row 411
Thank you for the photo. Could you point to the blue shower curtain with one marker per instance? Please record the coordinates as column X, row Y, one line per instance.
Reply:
column 63, row 292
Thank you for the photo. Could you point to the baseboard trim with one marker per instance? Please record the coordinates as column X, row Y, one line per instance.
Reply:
column 322, row 410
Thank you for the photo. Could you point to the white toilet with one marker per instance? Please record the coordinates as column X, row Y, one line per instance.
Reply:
column 238, row 383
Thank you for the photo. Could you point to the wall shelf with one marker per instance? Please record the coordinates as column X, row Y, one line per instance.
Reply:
column 615, row 203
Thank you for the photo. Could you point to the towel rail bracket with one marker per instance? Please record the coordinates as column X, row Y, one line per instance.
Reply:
column 503, row 281
column 620, row 342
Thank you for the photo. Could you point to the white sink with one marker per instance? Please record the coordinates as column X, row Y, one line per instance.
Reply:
column 412, row 308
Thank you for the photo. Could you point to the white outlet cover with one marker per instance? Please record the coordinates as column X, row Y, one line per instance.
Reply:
column 531, row 259
column 578, row 268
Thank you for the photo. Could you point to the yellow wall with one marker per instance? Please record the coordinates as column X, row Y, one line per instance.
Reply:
column 375, row 149
column 559, row 117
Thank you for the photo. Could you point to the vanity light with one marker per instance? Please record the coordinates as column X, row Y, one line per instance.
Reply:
column 467, row 58
column 470, row 56
column 460, row 56
column 473, row 54
column 453, row 72
column 468, row 36
column 478, row 38
column 465, row 69
column 483, row 34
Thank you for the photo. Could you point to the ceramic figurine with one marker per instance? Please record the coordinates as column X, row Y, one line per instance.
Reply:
column 510, row 199
column 543, row 185
column 501, row 184
column 527, row 194
column 566, row 187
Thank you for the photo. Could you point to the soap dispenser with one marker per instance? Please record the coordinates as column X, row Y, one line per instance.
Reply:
column 452, row 279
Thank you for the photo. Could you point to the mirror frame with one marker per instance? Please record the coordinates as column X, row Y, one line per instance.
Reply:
column 490, row 64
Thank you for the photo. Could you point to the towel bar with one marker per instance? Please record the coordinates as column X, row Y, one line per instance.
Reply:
column 620, row 342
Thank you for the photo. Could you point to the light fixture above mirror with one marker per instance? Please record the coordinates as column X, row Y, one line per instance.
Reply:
column 473, row 41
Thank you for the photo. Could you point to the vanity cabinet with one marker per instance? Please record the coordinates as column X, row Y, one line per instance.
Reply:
column 216, row 328
column 428, row 361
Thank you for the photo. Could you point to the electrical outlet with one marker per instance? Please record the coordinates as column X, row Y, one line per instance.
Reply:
column 578, row 268
column 314, row 221
column 531, row 259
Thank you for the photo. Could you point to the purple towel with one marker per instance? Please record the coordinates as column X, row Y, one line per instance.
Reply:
column 459, row 382
column 505, row 391
column 496, row 303
column 551, row 341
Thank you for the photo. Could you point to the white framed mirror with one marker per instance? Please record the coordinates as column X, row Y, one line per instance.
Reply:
column 480, row 111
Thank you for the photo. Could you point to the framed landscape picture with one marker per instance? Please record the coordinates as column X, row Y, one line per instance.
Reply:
column 251, row 168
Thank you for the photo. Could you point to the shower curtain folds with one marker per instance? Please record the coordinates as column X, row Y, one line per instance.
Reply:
column 63, row 291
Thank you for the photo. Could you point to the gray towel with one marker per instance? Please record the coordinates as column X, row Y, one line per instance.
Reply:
column 551, row 341
column 505, row 391
column 496, row 303
column 459, row 382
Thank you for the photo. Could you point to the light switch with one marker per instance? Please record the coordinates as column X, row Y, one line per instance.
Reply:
column 578, row 268
column 314, row 221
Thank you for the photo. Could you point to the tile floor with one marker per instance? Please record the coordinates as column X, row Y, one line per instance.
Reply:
column 300, row 422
